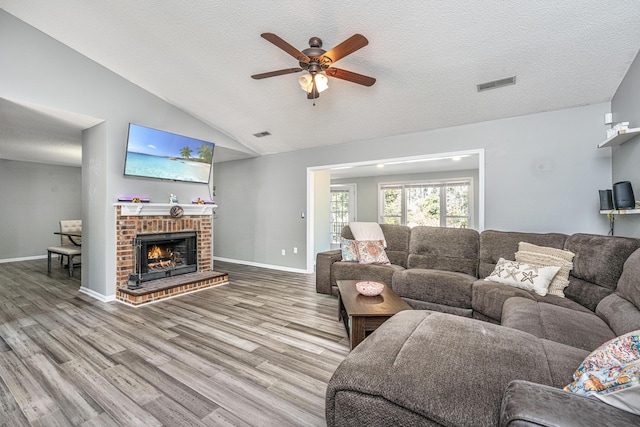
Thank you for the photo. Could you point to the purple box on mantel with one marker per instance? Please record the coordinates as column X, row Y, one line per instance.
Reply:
column 203, row 202
column 137, row 199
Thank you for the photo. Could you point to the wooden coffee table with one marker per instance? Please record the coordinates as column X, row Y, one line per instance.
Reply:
column 362, row 315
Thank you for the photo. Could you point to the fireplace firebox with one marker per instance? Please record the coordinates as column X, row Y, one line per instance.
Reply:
column 161, row 255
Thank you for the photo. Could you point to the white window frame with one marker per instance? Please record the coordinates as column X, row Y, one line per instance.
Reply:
column 352, row 189
column 442, row 183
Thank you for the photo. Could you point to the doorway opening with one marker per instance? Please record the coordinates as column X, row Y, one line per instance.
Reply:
column 320, row 180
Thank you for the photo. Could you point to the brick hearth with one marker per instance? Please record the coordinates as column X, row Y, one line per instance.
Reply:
column 134, row 219
column 156, row 290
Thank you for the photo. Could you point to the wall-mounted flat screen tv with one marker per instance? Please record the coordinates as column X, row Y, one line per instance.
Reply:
column 152, row 153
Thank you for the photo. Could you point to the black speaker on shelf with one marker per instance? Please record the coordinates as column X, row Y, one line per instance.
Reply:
column 606, row 200
column 623, row 197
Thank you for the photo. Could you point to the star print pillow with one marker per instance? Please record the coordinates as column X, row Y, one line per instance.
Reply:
column 523, row 276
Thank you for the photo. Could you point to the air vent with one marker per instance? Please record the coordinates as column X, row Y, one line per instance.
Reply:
column 497, row 83
column 261, row 134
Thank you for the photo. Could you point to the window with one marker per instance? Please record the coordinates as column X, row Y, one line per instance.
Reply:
column 434, row 203
column 342, row 209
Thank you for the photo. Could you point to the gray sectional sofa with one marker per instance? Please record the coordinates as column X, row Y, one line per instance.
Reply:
column 479, row 353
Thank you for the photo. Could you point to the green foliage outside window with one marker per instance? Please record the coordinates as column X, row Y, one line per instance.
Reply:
column 445, row 205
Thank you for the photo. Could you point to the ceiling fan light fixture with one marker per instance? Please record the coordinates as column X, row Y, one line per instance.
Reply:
column 318, row 63
column 306, row 83
column 322, row 82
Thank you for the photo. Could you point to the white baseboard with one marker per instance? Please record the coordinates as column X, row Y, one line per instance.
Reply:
column 99, row 297
column 24, row 258
column 257, row 264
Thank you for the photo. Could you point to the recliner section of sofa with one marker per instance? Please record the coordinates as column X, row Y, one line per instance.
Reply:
column 442, row 265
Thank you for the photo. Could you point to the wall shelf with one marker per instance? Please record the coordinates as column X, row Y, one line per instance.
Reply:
column 621, row 212
column 622, row 137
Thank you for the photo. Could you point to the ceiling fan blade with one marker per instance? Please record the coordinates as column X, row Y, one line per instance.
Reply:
column 350, row 76
column 276, row 73
column 301, row 57
column 350, row 45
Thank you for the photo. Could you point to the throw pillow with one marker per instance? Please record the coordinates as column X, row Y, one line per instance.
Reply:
column 544, row 257
column 523, row 276
column 612, row 373
column 371, row 252
column 349, row 250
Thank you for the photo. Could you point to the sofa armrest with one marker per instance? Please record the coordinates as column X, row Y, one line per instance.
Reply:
column 323, row 270
column 529, row 404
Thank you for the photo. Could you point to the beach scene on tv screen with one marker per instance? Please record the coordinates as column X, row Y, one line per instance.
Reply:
column 157, row 154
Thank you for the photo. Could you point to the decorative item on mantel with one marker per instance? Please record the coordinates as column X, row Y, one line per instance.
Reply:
column 134, row 199
column 200, row 201
column 176, row 211
column 173, row 198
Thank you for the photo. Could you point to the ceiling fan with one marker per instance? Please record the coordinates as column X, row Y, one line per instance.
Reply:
column 318, row 62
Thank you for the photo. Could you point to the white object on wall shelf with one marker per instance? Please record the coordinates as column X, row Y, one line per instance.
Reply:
column 621, row 212
column 622, row 137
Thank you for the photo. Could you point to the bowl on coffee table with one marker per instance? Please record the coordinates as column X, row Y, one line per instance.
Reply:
column 369, row 289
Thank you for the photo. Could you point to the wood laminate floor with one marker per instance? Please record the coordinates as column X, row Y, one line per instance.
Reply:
column 258, row 351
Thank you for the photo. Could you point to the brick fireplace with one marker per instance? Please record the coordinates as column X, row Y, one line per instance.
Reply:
column 137, row 221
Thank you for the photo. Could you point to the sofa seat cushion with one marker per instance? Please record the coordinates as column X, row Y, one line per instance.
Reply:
column 487, row 299
column 475, row 363
column 434, row 286
column 372, row 272
column 560, row 324
column 563, row 360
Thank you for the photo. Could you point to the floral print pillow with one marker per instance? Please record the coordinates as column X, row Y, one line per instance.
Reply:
column 349, row 250
column 612, row 373
column 371, row 252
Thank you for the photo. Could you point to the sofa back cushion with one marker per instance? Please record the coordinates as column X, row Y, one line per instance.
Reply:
column 621, row 310
column 440, row 248
column 397, row 238
column 629, row 283
column 504, row 244
column 620, row 314
column 597, row 266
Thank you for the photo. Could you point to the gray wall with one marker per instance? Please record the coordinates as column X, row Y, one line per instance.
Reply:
column 367, row 189
column 542, row 170
column 39, row 70
column 34, row 198
column 625, row 107
column 542, row 174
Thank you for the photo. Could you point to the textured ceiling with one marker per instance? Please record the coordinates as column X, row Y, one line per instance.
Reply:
column 427, row 57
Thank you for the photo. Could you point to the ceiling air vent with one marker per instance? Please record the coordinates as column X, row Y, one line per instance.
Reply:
column 261, row 134
column 497, row 83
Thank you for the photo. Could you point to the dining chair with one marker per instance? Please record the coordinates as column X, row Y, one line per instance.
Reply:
column 67, row 247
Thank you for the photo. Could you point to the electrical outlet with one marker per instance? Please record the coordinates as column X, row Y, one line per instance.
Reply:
column 284, row 252
column 295, row 250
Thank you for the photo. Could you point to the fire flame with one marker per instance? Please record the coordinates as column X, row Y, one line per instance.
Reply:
column 155, row 252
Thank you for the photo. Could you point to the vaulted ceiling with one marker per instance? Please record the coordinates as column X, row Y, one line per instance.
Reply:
column 427, row 57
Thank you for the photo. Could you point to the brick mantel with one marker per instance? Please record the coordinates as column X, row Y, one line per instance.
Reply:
column 144, row 218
